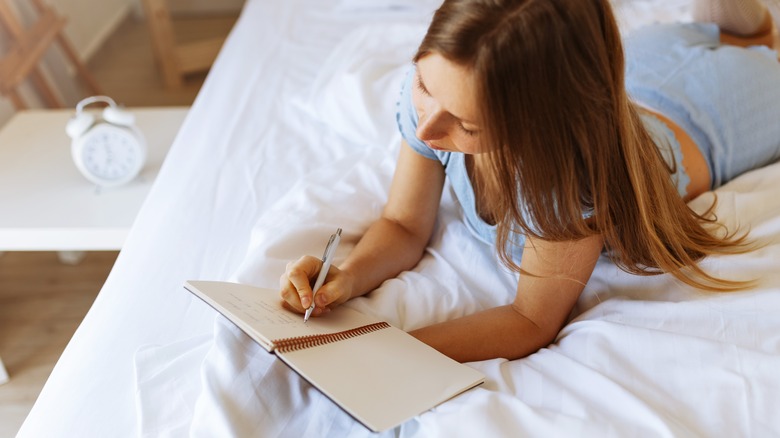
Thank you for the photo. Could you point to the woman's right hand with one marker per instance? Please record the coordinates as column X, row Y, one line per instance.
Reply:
column 296, row 282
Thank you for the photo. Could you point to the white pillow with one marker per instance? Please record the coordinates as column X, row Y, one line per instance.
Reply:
column 358, row 86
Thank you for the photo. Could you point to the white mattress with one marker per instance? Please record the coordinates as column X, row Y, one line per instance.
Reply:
column 292, row 136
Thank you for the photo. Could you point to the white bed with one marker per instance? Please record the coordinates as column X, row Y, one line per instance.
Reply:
column 293, row 135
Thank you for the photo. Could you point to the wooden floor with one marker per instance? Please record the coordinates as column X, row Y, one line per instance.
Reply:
column 42, row 301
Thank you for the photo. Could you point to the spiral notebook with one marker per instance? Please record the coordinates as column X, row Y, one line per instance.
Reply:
column 380, row 375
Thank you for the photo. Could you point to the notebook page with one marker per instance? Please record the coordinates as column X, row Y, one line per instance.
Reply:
column 259, row 312
column 383, row 378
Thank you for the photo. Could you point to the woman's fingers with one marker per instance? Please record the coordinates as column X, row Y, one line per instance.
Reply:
column 296, row 289
column 326, row 294
column 296, row 282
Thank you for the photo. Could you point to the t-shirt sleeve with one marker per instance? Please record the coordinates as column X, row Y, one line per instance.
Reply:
column 406, row 117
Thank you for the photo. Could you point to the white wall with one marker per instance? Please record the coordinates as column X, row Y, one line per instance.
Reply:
column 90, row 22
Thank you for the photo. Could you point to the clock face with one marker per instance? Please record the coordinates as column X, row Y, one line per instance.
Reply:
column 111, row 154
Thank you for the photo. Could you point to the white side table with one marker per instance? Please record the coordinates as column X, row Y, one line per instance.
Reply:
column 47, row 205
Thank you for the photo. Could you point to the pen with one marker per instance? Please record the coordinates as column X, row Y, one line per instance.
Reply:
column 327, row 259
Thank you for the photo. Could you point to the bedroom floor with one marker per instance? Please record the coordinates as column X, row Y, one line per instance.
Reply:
column 42, row 301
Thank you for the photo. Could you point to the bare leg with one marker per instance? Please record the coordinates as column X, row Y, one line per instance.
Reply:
column 742, row 22
column 738, row 17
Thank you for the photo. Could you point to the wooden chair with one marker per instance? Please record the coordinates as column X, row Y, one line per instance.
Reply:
column 28, row 45
column 174, row 59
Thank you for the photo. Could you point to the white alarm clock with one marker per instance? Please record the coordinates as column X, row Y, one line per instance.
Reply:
column 108, row 150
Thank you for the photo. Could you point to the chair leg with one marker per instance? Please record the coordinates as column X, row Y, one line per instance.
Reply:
column 158, row 18
column 85, row 74
column 47, row 92
column 17, row 100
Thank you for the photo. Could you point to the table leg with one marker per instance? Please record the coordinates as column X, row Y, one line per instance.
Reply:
column 3, row 373
column 71, row 257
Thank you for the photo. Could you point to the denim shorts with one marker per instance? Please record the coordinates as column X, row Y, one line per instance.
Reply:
column 726, row 98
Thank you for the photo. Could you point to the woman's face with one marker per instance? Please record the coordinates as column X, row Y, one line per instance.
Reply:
column 445, row 99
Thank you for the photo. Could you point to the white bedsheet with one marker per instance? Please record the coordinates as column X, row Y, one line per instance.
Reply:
column 266, row 167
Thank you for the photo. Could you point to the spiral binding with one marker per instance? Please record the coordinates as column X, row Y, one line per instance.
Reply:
column 302, row 342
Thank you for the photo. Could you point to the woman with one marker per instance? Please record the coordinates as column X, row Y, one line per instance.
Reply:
column 557, row 148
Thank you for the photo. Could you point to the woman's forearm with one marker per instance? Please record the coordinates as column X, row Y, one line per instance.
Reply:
column 498, row 332
column 387, row 249
column 384, row 251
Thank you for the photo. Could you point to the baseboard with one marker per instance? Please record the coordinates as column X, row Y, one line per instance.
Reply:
column 204, row 7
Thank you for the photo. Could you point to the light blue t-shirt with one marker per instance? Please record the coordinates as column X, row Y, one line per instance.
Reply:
column 455, row 164
column 455, row 168
column 724, row 97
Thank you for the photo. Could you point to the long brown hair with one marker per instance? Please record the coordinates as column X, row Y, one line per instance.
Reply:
column 566, row 139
